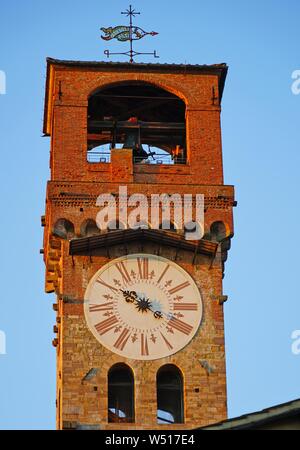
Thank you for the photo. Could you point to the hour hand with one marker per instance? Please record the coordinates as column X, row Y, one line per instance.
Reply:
column 130, row 296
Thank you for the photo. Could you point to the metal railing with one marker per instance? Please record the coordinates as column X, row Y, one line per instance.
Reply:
column 98, row 157
column 157, row 159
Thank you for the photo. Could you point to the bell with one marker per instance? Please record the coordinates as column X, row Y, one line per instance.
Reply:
column 131, row 139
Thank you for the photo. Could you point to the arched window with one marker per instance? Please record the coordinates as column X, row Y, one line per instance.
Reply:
column 167, row 225
column 64, row 229
column 89, row 228
column 170, row 408
column 218, row 231
column 120, row 394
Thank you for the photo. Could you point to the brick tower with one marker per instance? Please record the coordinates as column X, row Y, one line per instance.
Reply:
column 139, row 310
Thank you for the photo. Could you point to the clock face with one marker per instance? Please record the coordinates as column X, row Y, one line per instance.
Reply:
column 143, row 307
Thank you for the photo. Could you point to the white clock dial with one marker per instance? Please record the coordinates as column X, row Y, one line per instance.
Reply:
column 143, row 307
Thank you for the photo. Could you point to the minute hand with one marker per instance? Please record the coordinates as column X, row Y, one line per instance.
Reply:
column 129, row 296
column 157, row 314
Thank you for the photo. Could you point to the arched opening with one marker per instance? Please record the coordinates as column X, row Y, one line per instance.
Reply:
column 217, row 231
column 120, row 394
column 89, row 228
column 64, row 229
column 170, row 407
column 168, row 225
column 137, row 115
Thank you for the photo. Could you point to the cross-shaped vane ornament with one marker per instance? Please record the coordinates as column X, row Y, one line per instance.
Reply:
column 127, row 33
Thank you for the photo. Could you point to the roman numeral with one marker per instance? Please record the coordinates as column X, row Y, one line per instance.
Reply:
column 179, row 287
column 104, row 307
column 106, row 325
column 181, row 326
column 144, row 345
column 122, row 339
column 163, row 273
column 143, row 264
column 123, row 271
column 185, row 307
column 167, row 342
column 107, row 285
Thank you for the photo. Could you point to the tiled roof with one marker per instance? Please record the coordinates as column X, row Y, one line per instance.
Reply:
column 159, row 66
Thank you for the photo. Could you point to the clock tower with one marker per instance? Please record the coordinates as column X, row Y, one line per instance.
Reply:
column 139, row 331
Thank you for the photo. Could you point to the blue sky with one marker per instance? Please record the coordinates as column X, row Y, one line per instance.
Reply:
column 259, row 40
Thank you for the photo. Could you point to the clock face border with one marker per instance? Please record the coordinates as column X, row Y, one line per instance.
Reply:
column 146, row 356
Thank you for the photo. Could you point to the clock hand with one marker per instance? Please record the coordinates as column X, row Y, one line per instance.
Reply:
column 129, row 296
column 142, row 304
column 157, row 314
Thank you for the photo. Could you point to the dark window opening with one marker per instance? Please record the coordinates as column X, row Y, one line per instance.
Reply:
column 64, row 229
column 140, row 116
column 218, row 232
column 169, row 395
column 89, row 228
column 168, row 225
column 120, row 394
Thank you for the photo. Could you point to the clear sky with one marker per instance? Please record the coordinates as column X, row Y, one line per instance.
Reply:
column 259, row 40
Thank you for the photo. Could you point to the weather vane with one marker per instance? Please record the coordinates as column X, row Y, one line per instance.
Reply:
column 127, row 33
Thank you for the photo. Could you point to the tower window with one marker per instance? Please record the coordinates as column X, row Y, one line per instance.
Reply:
column 120, row 394
column 64, row 229
column 218, row 231
column 140, row 116
column 169, row 395
column 89, row 228
column 168, row 225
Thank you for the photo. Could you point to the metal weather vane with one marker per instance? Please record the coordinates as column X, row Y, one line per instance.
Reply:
column 127, row 33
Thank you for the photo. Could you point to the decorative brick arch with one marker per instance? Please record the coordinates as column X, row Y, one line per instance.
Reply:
column 220, row 230
column 97, row 86
column 64, row 229
column 89, row 228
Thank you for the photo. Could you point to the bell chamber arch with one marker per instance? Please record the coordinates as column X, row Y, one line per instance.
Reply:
column 137, row 115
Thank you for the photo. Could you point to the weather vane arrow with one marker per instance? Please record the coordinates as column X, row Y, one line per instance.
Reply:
column 127, row 33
